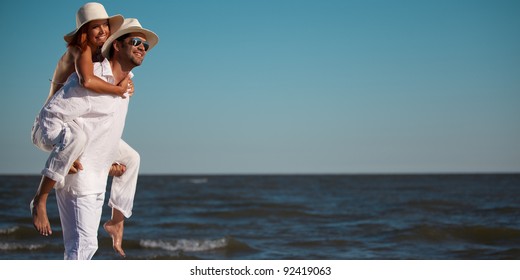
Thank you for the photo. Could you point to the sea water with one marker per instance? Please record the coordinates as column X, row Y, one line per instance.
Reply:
column 279, row 217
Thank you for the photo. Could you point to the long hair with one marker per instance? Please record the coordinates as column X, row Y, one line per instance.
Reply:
column 80, row 38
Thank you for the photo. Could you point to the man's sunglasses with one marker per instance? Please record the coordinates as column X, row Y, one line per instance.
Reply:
column 136, row 42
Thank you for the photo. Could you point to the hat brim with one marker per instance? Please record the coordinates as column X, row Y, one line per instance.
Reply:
column 115, row 23
column 151, row 38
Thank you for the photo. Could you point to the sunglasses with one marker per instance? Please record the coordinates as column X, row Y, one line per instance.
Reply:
column 136, row 42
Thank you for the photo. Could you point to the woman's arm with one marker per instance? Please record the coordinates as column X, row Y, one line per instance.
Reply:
column 88, row 80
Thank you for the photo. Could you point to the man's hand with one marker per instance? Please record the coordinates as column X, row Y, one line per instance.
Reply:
column 76, row 166
column 117, row 169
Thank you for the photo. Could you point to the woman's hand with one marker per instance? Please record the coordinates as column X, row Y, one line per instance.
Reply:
column 130, row 87
column 124, row 85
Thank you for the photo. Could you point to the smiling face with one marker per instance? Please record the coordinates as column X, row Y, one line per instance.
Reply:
column 133, row 48
column 98, row 32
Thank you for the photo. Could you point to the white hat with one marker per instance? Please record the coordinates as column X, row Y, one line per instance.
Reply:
column 130, row 25
column 93, row 11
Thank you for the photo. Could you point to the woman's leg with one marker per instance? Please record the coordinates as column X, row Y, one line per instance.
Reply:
column 122, row 195
column 63, row 155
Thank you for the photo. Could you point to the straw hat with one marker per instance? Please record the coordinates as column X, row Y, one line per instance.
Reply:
column 93, row 11
column 130, row 25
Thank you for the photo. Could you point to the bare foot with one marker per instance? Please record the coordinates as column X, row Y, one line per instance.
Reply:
column 115, row 230
column 40, row 219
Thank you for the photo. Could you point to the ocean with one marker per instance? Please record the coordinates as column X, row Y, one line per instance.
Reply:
column 287, row 217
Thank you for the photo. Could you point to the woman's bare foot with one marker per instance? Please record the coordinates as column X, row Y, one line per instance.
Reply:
column 40, row 219
column 115, row 230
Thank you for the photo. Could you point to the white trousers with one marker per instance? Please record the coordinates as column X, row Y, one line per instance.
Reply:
column 64, row 149
column 123, row 188
column 69, row 145
column 80, row 218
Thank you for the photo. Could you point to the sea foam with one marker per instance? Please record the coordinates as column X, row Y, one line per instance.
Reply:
column 186, row 245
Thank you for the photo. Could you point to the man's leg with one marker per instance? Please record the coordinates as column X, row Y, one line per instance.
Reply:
column 122, row 195
column 80, row 217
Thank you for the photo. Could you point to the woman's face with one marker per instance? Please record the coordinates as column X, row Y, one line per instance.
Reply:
column 98, row 32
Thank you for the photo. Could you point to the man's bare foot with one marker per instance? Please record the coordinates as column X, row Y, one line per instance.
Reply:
column 40, row 219
column 115, row 230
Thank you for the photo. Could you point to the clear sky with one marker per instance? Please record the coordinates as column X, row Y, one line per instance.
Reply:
column 292, row 86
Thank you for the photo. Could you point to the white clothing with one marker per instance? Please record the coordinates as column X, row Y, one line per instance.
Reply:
column 64, row 149
column 100, row 116
column 123, row 187
column 80, row 218
column 70, row 145
column 80, row 215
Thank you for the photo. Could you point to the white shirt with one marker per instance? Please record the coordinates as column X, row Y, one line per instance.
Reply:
column 102, row 118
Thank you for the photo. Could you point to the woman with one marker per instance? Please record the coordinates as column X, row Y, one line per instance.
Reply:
column 93, row 27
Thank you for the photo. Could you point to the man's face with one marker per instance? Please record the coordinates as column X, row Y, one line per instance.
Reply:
column 134, row 48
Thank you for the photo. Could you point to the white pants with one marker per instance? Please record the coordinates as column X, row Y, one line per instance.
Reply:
column 80, row 218
column 69, row 145
column 64, row 149
column 123, row 187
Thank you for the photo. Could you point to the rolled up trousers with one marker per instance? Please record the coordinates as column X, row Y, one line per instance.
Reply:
column 78, row 214
column 69, row 145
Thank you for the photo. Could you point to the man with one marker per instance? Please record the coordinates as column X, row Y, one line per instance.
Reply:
column 102, row 118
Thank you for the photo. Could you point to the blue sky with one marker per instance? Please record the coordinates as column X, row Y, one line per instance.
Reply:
column 308, row 86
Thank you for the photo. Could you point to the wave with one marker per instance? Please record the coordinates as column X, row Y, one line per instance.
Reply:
column 24, row 232
column 436, row 205
column 185, row 245
column 9, row 231
column 487, row 235
column 20, row 247
column 198, row 181
column 21, row 242
column 228, row 244
column 469, row 233
column 18, row 238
